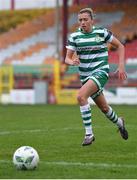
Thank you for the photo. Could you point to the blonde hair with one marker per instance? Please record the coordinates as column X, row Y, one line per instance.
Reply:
column 87, row 10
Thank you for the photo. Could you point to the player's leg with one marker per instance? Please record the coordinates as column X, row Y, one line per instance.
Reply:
column 85, row 91
column 111, row 114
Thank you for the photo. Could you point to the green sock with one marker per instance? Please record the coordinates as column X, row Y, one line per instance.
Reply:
column 86, row 117
column 112, row 116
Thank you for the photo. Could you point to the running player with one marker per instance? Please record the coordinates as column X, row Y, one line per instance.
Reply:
column 90, row 44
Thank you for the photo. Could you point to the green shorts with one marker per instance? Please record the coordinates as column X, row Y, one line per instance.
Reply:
column 100, row 78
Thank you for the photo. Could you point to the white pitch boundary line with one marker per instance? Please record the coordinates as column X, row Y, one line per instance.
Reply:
column 99, row 165
column 43, row 130
column 21, row 131
column 89, row 164
column 36, row 131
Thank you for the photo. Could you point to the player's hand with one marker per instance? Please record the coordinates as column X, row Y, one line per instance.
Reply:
column 75, row 62
column 121, row 73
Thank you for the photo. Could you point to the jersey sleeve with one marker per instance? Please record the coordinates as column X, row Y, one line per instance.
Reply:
column 71, row 43
column 108, row 35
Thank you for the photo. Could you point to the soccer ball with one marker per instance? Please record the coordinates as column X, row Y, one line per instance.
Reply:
column 25, row 158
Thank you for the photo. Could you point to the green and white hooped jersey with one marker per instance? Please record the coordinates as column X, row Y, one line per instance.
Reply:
column 92, row 50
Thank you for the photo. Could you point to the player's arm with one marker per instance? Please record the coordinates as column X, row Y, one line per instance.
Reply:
column 69, row 58
column 121, row 53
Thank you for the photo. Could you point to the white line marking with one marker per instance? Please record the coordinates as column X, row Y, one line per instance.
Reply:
column 36, row 131
column 46, row 130
column 89, row 164
column 100, row 165
column 21, row 131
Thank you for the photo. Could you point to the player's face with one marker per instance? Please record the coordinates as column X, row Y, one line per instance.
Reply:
column 85, row 22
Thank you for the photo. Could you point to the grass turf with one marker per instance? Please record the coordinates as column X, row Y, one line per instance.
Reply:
column 56, row 132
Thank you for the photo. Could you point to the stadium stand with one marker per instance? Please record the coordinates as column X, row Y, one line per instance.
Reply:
column 31, row 41
column 18, row 58
column 27, row 29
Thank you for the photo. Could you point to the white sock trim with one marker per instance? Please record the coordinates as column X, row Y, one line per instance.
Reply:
column 88, row 130
column 109, row 111
column 85, row 108
column 119, row 122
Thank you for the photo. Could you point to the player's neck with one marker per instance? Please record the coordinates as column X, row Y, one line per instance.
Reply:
column 88, row 30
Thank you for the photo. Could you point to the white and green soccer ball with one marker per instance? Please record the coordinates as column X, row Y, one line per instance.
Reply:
column 25, row 158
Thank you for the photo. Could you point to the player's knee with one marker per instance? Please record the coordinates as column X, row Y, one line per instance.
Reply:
column 104, row 109
column 81, row 99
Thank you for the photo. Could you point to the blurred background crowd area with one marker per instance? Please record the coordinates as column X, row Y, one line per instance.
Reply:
column 33, row 39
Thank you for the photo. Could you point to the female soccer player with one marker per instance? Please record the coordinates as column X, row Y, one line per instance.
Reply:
column 90, row 45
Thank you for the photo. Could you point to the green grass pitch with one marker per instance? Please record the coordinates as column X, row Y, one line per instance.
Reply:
column 57, row 132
